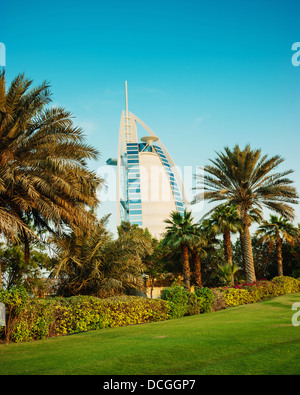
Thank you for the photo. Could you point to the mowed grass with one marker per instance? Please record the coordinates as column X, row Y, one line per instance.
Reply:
column 250, row 339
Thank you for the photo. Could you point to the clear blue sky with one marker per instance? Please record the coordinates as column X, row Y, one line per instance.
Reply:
column 201, row 74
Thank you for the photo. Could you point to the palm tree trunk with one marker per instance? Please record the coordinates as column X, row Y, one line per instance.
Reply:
column 242, row 248
column 247, row 243
column 26, row 250
column 227, row 246
column 185, row 267
column 197, row 265
column 279, row 256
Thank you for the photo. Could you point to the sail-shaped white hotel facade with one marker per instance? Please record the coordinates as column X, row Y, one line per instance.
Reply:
column 149, row 186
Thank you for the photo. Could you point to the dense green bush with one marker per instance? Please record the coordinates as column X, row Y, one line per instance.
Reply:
column 177, row 298
column 235, row 297
column 188, row 303
column 15, row 301
column 206, row 299
column 286, row 284
column 194, row 304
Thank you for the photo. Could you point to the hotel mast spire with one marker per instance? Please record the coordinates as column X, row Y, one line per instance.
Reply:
column 126, row 118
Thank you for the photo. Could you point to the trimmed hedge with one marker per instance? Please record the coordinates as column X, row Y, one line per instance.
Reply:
column 42, row 318
column 30, row 319
column 260, row 290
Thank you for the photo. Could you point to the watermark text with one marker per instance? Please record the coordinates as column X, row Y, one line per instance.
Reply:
column 2, row 55
column 295, row 321
column 296, row 55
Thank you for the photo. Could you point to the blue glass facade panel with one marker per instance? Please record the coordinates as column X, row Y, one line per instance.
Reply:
column 134, row 190
column 133, row 212
column 133, row 186
column 135, row 201
column 131, row 205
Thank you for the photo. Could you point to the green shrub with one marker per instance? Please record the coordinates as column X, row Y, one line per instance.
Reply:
column 188, row 303
column 194, row 304
column 206, row 299
column 15, row 301
column 177, row 298
column 260, row 290
column 236, row 297
column 286, row 285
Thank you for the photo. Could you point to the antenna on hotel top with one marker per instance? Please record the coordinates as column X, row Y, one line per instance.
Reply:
column 126, row 100
column 126, row 118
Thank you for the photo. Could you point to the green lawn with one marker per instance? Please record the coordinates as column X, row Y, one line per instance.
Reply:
column 250, row 339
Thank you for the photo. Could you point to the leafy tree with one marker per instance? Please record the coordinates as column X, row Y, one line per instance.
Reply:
column 246, row 178
column 16, row 271
column 155, row 264
column 211, row 254
column 291, row 259
column 275, row 232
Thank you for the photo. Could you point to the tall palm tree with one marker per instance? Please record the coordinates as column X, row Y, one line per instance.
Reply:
column 255, row 215
column 180, row 233
column 246, row 178
column 275, row 232
column 197, row 247
column 225, row 220
column 43, row 164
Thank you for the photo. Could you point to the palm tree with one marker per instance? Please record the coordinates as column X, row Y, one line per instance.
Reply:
column 93, row 263
column 227, row 272
column 180, row 233
column 197, row 247
column 124, row 258
column 44, row 177
column 78, row 262
column 246, row 178
column 276, row 231
column 225, row 220
column 255, row 215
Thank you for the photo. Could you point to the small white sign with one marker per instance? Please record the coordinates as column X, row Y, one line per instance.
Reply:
column 2, row 314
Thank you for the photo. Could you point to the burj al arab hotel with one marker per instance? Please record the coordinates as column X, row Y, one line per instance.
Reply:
column 149, row 185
